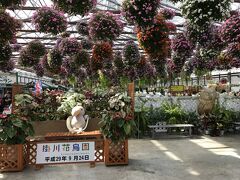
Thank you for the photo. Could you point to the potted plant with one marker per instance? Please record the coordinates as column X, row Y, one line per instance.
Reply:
column 42, row 111
column 14, row 130
column 117, row 125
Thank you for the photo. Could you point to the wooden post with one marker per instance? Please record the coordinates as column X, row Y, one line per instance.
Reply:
column 16, row 89
column 131, row 93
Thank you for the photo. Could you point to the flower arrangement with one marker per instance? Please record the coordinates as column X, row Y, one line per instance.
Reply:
column 230, row 30
column 39, row 70
column 54, row 61
column 188, row 68
column 181, row 46
column 233, row 50
column 26, row 59
column 68, row 67
column 170, row 67
column 131, row 53
column 49, row 20
column 168, row 13
column 9, row 27
column 102, row 52
column 36, row 48
column 105, row 26
column 130, row 72
column 204, row 60
column 69, row 46
column 81, row 58
column 208, row 37
column 160, row 65
column 202, row 13
column 6, row 63
column 82, row 28
column 10, row 3
column 179, row 63
column 140, row 12
column 7, row 66
column 145, row 68
column 5, row 53
column 77, row 7
column 86, row 43
column 224, row 61
column 117, row 122
column 155, row 39
column 16, row 47
column 118, row 61
column 235, row 63
column 14, row 130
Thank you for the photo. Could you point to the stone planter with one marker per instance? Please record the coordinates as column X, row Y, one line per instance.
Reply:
column 11, row 157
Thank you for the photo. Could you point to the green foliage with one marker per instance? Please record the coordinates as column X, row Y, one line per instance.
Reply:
column 70, row 100
column 14, row 130
column 173, row 113
column 38, row 108
column 140, row 116
column 117, row 120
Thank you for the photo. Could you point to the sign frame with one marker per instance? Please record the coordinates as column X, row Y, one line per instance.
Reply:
column 65, row 141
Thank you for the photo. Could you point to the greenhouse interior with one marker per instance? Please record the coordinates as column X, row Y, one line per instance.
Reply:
column 120, row 89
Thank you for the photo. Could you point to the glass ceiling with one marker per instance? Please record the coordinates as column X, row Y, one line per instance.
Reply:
column 28, row 33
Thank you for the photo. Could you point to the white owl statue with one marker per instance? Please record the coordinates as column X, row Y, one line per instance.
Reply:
column 78, row 122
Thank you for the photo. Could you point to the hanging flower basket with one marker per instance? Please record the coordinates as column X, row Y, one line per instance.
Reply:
column 105, row 26
column 69, row 46
column 36, row 48
column 26, row 59
column 86, row 43
column 141, row 12
column 230, row 29
column 9, row 27
column 155, row 39
column 168, row 13
column 131, row 53
column 202, row 13
column 82, row 28
column 11, row 3
column 181, row 46
column 76, row 7
column 49, row 20
column 102, row 52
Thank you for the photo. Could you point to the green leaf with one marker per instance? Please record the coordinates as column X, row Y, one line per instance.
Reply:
column 17, row 122
column 11, row 132
column 127, row 128
column 121, row 122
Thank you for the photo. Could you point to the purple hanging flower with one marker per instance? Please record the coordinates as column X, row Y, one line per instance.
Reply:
column 105, row 26
column 49, row 20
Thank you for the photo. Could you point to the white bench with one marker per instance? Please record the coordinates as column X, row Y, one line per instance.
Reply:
column 163, row 127
column 236, row 126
